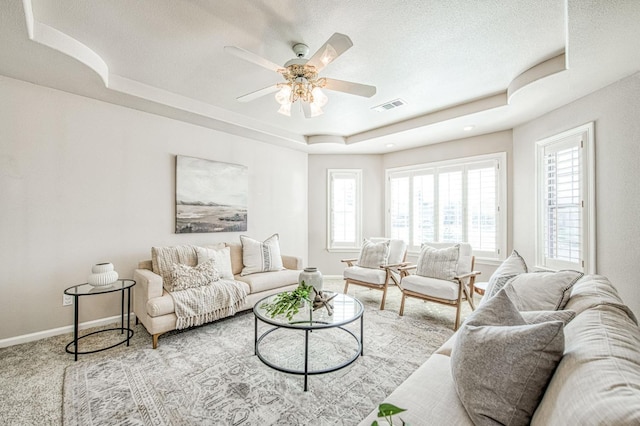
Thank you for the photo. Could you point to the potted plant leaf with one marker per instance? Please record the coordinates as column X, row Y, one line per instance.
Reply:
column 288, row 303
column 387, row 411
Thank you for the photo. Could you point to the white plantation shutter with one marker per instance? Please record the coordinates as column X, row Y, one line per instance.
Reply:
column 344, row 205
column 564, row 201
column 483, row 208
column 399, row 207
column 453, row 201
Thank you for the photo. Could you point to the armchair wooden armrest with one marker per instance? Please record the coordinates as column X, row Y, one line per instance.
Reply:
column 394, row 265
column 349, row 262
column 469, row 275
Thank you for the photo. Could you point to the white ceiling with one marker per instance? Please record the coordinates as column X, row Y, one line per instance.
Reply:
column 491, row 64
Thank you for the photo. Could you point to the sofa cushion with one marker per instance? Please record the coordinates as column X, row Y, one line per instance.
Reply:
column 185, row 276
column 438, row 263
column 597, row 382
column 221, row 260
column 595, row 290
column 368, row 275
column 501, row 365
column 162, row 259
column 428, row 395
column 509, row 268
column 541, row 291
column 269, row 280
column 373, row 254
column 260, row 256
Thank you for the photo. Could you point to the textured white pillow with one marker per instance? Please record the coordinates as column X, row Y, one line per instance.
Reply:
column 373, row 255
column 185, row 276
column 221, row 259
column 438, row 263
column 509, row 268
column 260, row 256
column 542, row 291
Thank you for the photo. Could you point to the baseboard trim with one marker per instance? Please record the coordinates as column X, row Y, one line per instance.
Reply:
column 25, row 338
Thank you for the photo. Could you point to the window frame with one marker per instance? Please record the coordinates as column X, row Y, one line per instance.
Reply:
column 356, row 174
column 586, row 145
column 462, row 163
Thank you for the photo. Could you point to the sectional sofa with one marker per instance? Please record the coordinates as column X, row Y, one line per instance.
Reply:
column 595, row 382
column 154, row 307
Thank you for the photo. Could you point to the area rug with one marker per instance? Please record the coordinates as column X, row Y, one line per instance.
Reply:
column 209, row 375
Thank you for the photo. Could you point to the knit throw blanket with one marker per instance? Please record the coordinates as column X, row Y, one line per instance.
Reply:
column 200, row 305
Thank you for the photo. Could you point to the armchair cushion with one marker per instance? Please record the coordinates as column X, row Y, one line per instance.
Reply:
column 434, row 287
column 373, row 255
column 501, row 365
column 367, row 275
column 438, row 263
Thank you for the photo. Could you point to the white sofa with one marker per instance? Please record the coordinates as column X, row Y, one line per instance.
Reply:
column 597, row 381
column 154, row 307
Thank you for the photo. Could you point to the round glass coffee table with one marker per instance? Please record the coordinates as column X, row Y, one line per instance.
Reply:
column 346, row 310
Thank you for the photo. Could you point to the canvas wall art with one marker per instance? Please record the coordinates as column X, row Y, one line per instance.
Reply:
column 211, row 196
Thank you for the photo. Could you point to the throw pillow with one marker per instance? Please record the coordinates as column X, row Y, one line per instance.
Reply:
column 438, row 263
column 542, row 291
column 512, row 266
column 536, row 317
column 221, row 260
column 373, row 255
column 501, row 365
column 260, row 256
column 163, row 258
column 185, row 276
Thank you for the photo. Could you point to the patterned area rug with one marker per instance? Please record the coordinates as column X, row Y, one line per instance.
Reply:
column 210, row 375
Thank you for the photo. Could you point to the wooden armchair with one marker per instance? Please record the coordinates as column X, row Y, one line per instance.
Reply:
column 430, row 286
column 378, row 276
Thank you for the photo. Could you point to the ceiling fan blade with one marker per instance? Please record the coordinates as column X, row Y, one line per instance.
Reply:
column 350, row 87
column 252, row 57
column 334, row 47
column 258, row 93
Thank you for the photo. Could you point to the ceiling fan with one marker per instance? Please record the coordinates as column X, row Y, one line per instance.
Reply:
column 301, row 76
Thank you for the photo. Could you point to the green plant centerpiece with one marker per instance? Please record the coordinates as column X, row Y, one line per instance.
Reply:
column 288, row 303
column 387, row 411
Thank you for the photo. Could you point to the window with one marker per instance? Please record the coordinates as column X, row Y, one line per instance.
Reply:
column 451, row 201
column 344, row 230
column 565, row 188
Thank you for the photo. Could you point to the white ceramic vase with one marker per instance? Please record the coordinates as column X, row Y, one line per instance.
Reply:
column 311, row 276
column 102, row 275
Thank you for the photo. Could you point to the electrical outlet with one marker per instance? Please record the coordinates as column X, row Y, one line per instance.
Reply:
column 67, row 300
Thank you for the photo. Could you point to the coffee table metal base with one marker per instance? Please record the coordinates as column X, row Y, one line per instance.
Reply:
column 306, row 372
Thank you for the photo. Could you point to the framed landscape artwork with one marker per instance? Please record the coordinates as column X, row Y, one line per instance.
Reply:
column 210, row 196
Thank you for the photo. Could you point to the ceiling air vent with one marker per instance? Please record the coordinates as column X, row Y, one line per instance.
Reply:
column 389, row 105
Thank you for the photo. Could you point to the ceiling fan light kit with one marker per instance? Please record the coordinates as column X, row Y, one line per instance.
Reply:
column 301, row 75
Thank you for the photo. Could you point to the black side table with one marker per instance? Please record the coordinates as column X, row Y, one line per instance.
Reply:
column 79, row 290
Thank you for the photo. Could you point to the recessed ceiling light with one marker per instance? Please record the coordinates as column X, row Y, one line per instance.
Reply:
column 390, row 145
column 468, row 128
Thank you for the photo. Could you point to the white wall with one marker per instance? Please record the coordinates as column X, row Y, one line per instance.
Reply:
column 615, row 110
column 372, row 211
column 83, row 181
column 374, row 167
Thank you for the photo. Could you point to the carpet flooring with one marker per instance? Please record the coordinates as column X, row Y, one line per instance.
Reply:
column 209, row 375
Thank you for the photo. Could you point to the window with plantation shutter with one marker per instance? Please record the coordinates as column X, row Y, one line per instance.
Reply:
column 565, row 220
column 452, row 201
column 344, row 208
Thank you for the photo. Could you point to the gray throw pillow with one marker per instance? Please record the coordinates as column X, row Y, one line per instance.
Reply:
column 438, row 263
column 509, row 268
column 542, row 291
column 501, row 365
column 373, row 255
